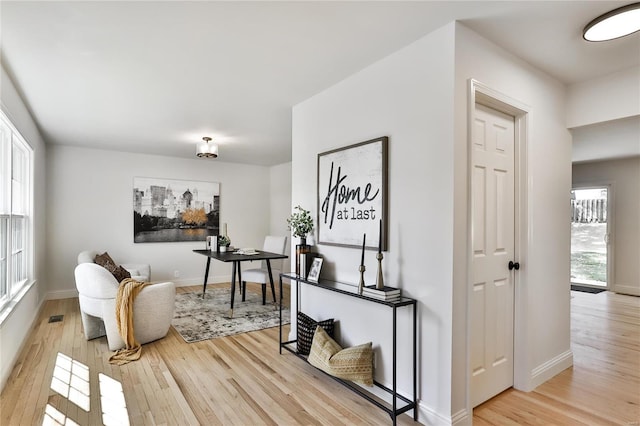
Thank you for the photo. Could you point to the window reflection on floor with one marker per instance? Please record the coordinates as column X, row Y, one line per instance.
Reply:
column 53, row 417
column 114, row 407
column 71, row 380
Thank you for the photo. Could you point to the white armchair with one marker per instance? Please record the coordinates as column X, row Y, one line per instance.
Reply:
column 152, row 310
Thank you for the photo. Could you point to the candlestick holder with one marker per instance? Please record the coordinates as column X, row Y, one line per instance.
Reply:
column 379, row 277
column 361, row 268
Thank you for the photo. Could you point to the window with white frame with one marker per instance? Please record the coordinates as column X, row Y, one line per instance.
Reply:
column 15, row 211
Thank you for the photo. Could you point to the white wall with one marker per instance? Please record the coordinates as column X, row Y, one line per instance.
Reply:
column 602, row 99
column 408, row 97
column 607, row 140
column 542, row 286
column 418, row 97
column 89, row 196
column 624, row 176
column 16, row 326
column 280, row 205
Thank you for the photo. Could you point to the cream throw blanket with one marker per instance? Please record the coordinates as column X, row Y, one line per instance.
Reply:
column 127, row 292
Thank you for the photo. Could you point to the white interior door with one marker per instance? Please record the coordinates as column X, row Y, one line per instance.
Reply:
column 492, row 295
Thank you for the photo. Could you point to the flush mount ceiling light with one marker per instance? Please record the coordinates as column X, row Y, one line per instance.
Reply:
column 206, row 149
column 617, row 23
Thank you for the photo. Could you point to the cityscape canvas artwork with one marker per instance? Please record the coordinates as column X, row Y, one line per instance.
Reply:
column 167, row 210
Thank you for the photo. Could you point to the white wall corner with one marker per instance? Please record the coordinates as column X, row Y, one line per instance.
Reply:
column 428, row 416
column 62, row 294
column 546, row 371
column 460, row 418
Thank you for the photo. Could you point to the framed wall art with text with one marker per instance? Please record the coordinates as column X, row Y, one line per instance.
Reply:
column 352, row 195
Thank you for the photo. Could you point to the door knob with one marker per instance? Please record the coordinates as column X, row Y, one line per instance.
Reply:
column 513, row 265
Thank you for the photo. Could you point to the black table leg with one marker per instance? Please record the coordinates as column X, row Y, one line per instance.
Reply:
column 280, row 329
column 273, row 290
column 415, row 404
column 243, row 285
column 206, row 276
column 393, row 374
column 233, row 286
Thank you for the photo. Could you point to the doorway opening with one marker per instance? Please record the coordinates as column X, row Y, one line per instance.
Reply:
column 590, row 236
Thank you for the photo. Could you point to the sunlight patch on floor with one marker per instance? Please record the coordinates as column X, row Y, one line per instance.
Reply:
column 114, row 407
column 53, row 417
column 71, row 380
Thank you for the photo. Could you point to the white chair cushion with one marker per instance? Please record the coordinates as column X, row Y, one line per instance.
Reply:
column 258, row 275
column 152, row 314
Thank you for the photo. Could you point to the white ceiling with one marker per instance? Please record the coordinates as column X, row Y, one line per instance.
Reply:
column 154, row 77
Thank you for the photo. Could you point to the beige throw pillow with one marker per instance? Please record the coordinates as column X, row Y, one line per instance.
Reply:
column 355, row 363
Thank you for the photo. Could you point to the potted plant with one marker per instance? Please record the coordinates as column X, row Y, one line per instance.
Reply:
column 301, row 224
column 223, row 242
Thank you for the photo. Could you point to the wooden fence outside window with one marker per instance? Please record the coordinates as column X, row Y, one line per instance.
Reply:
column 589, row 211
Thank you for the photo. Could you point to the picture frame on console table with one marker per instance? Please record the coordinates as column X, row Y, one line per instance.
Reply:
column 352, row 195
column 314, row 272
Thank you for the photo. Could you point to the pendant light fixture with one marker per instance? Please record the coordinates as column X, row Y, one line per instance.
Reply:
column 617, row 23
column 206, row 149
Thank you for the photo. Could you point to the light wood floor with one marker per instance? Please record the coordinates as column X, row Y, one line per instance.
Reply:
column 242, row 379
column 602, row 388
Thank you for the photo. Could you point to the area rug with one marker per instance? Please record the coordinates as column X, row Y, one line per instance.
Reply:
column 197, row 319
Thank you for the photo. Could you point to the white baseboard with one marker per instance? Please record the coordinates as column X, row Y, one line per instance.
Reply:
column 428, row 416
column 184, row 282
column 461, row 418
column 627, row 289
column 197, row 281
column 61, row 294
column 545, row 371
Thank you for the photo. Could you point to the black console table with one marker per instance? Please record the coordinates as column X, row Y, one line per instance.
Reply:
column 396, row 407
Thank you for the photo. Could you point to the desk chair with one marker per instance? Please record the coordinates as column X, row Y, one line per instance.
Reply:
column 261, row 275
